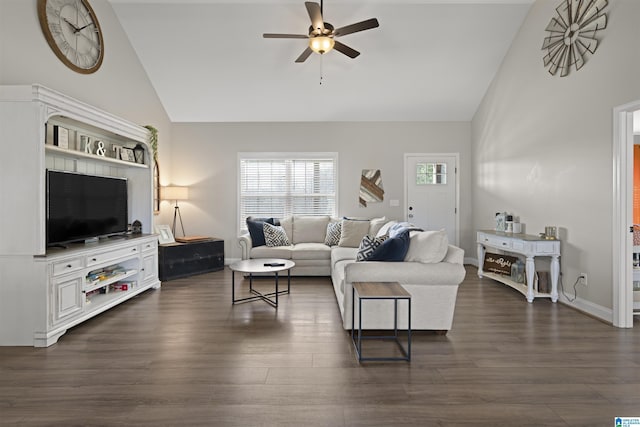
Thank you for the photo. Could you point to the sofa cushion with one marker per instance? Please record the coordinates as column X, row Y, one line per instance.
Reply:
column 274, row 235
column 440, row 273
column 310, row 251
column 309, row 229
column 283, row 252
column 334, row 231
column 393, row 249
column 256, row 230
column 287, row 224
column 375, row 224
column 352, row 232
column 339, row 254
column 427, row 246
column 368, row 245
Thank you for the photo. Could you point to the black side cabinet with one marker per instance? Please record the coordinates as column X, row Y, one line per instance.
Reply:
column 186, row 259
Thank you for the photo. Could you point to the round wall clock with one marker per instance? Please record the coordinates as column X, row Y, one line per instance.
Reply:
column 572, row 34
column 73, row 33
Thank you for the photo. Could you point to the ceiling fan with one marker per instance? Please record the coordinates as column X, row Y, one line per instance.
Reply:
column 322, row 35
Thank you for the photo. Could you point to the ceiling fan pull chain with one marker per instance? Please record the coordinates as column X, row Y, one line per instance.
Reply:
column 321, row 73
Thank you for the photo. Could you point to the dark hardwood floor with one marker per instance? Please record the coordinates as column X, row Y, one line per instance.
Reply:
column 184, row 355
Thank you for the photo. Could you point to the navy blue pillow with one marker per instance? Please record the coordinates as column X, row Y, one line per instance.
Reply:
column 393, row 249
column 256, row 229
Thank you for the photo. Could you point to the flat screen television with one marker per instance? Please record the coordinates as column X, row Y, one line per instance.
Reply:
column 81, row 207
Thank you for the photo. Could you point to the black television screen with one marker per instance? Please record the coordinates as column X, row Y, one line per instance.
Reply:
column 81, row 207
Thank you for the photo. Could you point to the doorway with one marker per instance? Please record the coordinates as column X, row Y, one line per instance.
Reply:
column 622, row 236
column 432, row 192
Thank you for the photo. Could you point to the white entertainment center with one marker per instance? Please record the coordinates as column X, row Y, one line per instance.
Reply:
column 44, row 291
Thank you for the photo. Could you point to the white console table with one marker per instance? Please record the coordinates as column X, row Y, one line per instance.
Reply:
column 523, row 244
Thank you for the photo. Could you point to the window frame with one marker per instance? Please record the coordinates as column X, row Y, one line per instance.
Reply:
column 284, row 156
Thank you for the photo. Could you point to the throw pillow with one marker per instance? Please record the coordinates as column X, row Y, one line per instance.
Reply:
column 393, row 249
column 368, row 246
column 334, row 231
column 385, row 228
column 274, row 235
column 352, row 233
column 254, row 225
column 427, row 246
column 400, row 227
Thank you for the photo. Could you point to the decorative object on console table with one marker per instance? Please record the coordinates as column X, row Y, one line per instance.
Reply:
column 164, row 234
column 136, row 227
column 60, row 136
column 498, row 263
column 176, row 193
column 138, row 153
column 127, row 154
column 186, row 259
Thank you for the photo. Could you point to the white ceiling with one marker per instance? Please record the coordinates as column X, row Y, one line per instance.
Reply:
column 428, row 61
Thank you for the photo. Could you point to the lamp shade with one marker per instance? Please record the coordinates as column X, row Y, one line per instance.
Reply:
column 321, row 44
column 175, row 193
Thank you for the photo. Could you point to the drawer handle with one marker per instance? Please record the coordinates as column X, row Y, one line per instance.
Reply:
column 134, row 249
column 504, row 243
column 68, row 266
column 94, row 259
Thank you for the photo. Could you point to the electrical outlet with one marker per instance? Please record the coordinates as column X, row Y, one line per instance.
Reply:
column 583, row 279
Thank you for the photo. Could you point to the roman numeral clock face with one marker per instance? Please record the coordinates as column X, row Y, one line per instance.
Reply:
column 73, row 33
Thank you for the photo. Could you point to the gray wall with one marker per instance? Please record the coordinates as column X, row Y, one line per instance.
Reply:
column 120, row 86
column 542, row 145
column 204, row 156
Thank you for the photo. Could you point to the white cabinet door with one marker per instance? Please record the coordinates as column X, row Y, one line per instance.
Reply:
column 149, row 268
column 67, row 298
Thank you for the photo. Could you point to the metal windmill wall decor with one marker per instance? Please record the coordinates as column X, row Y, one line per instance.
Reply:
column 572, row 34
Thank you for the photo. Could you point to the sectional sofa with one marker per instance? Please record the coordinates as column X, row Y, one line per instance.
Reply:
column 431, row 269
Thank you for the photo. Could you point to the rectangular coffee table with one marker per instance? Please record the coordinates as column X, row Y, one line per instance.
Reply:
column 261, row 266
column 380, row 291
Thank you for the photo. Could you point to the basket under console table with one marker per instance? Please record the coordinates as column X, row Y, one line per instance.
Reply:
column 523, row 244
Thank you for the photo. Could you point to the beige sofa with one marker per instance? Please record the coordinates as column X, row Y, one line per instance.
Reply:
column 433, row 285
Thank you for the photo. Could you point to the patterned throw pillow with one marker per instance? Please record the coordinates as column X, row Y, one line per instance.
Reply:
column 334, row 231
column 274, row 235
column 368, row 245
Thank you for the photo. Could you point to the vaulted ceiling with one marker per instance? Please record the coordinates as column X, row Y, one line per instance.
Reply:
column 428, row 61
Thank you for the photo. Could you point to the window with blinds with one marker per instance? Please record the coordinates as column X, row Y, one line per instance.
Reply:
column 282, row 184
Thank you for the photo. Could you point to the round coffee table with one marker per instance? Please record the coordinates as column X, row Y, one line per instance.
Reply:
column 261, row 266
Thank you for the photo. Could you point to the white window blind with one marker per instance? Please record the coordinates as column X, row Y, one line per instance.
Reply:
column 282, row 184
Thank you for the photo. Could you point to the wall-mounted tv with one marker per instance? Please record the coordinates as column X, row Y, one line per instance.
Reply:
column 81, row 207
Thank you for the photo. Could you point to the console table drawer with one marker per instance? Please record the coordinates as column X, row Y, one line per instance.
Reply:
column 67, row 266
column 496, row 241
column 150, row 246
column 109, row 256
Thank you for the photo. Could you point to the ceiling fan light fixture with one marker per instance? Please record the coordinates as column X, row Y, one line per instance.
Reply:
column 321, row 44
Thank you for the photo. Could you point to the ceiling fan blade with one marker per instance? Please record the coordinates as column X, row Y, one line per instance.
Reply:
column 284, row 36
column 316, row 15
column 303, row 57
column 343, row 48
column 354, row 28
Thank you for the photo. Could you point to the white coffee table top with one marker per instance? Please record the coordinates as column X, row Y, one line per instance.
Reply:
column 258, row 265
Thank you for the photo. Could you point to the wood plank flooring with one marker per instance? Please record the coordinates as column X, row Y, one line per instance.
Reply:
column 185, row 356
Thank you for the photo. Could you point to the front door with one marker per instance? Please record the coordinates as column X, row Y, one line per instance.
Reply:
column 431, row 192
